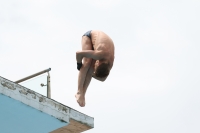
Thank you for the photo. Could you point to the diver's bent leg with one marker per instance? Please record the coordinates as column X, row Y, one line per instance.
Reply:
column 80, row 96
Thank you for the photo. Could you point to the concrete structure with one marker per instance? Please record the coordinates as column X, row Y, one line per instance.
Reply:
column 25, row 111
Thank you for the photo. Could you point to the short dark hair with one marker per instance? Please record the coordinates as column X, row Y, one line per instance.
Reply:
column 102, row 70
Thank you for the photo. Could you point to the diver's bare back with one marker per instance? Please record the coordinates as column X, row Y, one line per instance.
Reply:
column 102, row 41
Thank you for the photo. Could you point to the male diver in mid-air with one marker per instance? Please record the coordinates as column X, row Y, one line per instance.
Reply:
column 98, row 57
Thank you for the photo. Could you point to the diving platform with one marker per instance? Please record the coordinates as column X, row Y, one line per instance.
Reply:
column 23, row 110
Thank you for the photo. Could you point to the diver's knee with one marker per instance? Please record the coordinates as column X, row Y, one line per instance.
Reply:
column 87, row 62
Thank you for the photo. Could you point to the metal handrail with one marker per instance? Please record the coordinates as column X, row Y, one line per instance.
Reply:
column 36, row 74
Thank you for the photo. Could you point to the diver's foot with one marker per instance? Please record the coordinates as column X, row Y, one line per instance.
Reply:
column 80, row 98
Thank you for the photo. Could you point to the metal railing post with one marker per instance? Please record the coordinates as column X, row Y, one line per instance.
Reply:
column 48, row 86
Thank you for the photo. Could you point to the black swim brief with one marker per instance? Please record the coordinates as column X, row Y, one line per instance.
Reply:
column 88, row 34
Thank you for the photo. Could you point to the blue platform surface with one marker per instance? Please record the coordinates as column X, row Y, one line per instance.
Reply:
column 16, row 117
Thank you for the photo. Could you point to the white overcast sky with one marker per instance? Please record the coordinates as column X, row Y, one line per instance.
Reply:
column 154, row 84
